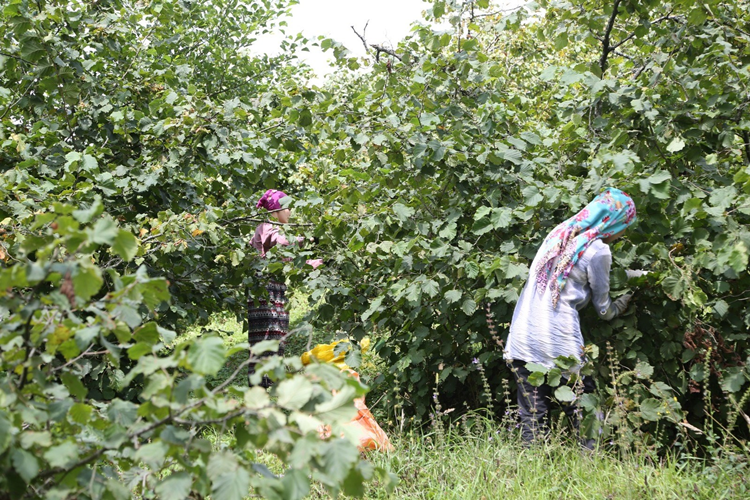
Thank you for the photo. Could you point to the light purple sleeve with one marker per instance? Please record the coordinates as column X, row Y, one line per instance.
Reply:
column 268, row 236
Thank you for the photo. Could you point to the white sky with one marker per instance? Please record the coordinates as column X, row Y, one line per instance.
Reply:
column 389, row 22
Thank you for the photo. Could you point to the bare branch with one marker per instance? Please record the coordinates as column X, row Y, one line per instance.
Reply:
column 380, row 48
column 362, row 36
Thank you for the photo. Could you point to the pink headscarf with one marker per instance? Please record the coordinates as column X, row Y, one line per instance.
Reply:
column 270, row 200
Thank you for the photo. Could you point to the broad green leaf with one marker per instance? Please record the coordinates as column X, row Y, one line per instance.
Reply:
column 125, row 245
column 403, row 212
column 565, row 394
column 206, row 355
column 104, row 231
column 84, row 216
column 294, row 393
column 536, row 379
column 152, row 454
column 469, row 307
column 554, row 376
column 339, row 456
column 80, row 413
column 25, row 464
column 431, row 288
column 536, row 367
column 453, row 296
column 220, row 463
column 643, row 370
column 256, row 398
column 676, row 145
column 74, row 385
column 176, row 486
column 501, row 217
column 296, row 484
column 89, row 163
column 87, row 281
column 340, row 408
column 233, row 485
column 62, row 455
column 733, row 379
column 650, row 409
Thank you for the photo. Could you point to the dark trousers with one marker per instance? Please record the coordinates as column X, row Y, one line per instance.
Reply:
column 534, row 404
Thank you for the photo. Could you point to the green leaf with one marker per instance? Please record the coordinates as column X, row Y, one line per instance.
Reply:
column 536, row 368
column 25, row 464
column 453, row 296
column 104, row 231
column 643, row 370
column 84, row 216
column 353, row 358
column 650, row 409
column 721, row 308
column 152, row 454
column 733, row 379
column 501, row 217
column 5, row 431
column 80, row 413
column 296, row 484
column 403, row 212
column 589, row 402
column 62, row 455
column 206, row 355
column 89, row 163
column 256, row 398
column 536, row 379
column 565, row 394
column 74, row 385
column 674, row 287
column 340, row 408
column 676, row 145
column 339, row 456
column 554, row 376
column 469, row 306
column 176, row 486
column 87, row 281
column 738, row 258
column 265, row 347
column 233, row 485
column 430, row 287
column 125, row 245
column 294, row 393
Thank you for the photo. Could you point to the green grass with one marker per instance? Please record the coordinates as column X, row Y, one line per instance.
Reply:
column 489, row 463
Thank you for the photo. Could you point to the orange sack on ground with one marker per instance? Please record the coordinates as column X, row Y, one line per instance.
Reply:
column 371, row 435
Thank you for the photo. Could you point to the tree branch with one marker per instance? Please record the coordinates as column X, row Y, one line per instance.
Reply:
column 380, row 48
column 607, row 48
column 362, row 36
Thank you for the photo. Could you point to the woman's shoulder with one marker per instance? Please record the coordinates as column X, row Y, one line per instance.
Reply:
column 598, row 247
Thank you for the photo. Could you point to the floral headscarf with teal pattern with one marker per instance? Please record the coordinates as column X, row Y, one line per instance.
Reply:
column 606, row 215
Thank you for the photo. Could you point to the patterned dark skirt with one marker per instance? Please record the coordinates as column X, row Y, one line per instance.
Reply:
column 268, row 319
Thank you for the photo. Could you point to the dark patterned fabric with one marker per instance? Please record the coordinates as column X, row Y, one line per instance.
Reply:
column 268, row 319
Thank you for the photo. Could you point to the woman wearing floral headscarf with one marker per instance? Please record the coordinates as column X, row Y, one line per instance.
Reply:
column 268, row 318
column 570, row 269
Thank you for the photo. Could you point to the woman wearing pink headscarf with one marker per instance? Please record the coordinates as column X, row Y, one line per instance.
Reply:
column 268, row 318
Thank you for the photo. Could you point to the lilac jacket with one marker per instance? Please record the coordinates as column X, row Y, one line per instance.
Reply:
column 268, row 236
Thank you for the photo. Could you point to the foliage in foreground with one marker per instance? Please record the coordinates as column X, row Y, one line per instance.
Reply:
column 74, row 422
